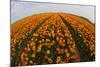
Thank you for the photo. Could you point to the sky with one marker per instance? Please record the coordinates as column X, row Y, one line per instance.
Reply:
column 21, row 9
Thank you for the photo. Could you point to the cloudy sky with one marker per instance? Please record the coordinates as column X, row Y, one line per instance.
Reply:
column 20, row 9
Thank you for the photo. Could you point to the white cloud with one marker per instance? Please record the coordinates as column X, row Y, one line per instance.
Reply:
column 21, row 9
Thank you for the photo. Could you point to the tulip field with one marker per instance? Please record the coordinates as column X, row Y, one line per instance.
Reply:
column 52, row 38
